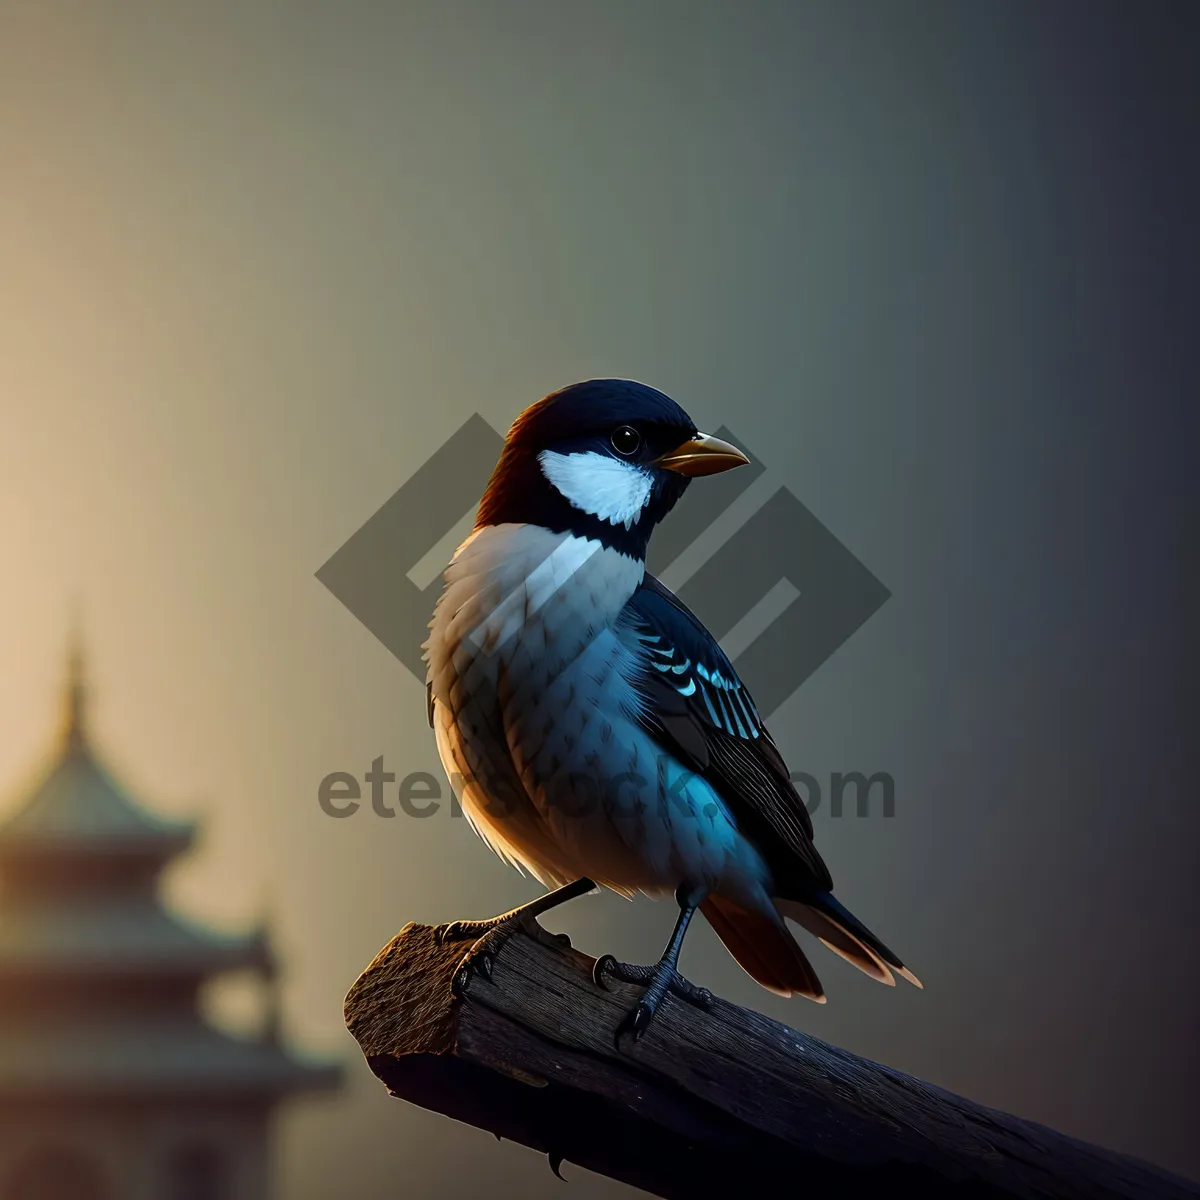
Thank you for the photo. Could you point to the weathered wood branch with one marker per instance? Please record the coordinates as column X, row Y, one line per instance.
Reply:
column 705, row 1102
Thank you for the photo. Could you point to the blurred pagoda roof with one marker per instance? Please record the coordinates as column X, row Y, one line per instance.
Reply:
column 146, row 1057
column 77, row 805
column 99, row 982
column 118, row 935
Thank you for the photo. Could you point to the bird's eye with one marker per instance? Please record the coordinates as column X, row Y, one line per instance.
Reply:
column 626, row 440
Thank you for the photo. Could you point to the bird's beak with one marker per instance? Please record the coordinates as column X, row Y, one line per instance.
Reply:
column 702, row 455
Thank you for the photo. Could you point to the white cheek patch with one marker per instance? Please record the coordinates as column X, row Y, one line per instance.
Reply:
column 598, row 484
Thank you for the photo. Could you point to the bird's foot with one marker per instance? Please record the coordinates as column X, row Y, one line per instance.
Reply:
column 637, row 973
column 658, row 981
column 487, row 938
column 463, row 931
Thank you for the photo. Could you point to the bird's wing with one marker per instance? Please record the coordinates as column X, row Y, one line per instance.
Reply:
column 696, row 705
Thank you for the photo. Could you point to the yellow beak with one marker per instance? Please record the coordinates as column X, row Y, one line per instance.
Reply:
column 702, row 455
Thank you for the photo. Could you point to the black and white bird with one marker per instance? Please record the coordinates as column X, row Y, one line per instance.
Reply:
column 594, row 730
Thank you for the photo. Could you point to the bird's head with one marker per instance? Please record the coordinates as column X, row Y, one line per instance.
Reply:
column 604, row 459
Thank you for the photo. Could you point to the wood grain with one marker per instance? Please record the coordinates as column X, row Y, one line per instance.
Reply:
column 706, row 1101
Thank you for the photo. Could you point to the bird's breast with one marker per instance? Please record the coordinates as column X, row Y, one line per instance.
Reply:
column 518, row 598
column 522, row 614
column 536, row 701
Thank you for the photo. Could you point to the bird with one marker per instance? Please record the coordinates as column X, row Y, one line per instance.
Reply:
column 595, row 733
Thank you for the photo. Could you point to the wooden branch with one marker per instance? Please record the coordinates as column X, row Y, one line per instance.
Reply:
column 707, row 1101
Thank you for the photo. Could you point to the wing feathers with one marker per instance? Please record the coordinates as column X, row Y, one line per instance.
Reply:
column 694, row 703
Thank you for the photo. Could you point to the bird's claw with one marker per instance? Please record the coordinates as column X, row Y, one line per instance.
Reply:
column 459, row 931
column 556, row 1161
column 489, row 936
column 657, row 980
column 481, row 964
column 635, row 973
column 635, row 1022
column 606, row 962
column 481, row 958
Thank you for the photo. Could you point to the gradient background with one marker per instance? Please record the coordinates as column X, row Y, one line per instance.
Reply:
column 936, row 263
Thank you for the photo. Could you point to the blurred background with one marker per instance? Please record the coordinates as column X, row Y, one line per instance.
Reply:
column 936, row 263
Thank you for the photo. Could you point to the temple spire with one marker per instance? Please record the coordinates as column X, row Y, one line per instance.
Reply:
column 75, row 724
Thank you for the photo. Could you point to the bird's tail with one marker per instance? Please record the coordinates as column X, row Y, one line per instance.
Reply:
column 764, row 949
column 843, row 933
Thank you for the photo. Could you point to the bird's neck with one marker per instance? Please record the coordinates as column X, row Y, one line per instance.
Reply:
column 520, row 494
column 508, row 575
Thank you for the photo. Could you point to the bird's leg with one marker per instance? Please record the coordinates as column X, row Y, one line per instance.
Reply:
column 661, row 978
column 488, row 936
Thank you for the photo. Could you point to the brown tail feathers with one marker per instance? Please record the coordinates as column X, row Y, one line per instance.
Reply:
column 764, row 949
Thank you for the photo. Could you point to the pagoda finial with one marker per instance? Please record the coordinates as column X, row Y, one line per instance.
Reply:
column 75, row 725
